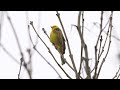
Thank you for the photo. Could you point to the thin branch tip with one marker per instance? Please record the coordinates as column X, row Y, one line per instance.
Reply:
column 31, row 22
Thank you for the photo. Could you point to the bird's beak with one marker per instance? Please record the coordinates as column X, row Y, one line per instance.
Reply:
column 51, row 26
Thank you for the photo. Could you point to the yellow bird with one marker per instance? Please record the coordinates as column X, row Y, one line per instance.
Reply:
column 57, row 39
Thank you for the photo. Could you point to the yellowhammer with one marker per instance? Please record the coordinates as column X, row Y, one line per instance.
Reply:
column 57, row 39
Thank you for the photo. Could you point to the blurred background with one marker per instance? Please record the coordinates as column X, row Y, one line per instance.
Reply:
column 10, row 54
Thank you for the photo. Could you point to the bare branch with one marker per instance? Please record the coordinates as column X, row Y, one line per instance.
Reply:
column 100, row 47
column 82, row 23
column 18, row 43
column 20, row 68
column 31, row 23
column 79, row 32
column 49, row 38
column 45, row 33
column 96, row 61
column 83, row 45
column 108, row 44
column 116, row 73
column 34, row 46
column 87, row 62
column 118, row 76
column 9, row 54
column 15, row 34
column 86, row 50
column 69, row 65
column 70, row 54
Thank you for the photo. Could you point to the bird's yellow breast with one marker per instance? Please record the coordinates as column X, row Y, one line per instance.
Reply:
column 57, row 39
column 54, row 38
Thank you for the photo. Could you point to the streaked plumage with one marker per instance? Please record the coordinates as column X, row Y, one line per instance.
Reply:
column 57, row 39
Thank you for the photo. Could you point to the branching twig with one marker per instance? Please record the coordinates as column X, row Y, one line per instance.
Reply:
column 14, row 31
column 96, row 61
column 31, row 23
column 116, row 73
column 103, row 45
column 9, row 54
column 18, row 43
column 34, row 46
column 118, row 76
column 20, row 68
column 86, row 50
column 108, row 44
column 29, row 50
column 87, row 63
column 49, row 39
column 79, row 31
column 83, row 46
column 70, row 54
column 47, row 62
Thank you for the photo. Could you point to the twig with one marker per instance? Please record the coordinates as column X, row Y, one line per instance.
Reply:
column 34, row 46
column 20, row 68
column 47, row 62
column 87, row 63
column 116, row 73
column 69, row 65
column 96, row 61
column 9, row 54
column 49, row 38
column 118, row 76
column 100, row 47
column 30, row 60
column 45, row 33
column 28, row 71
column 82, row 23
column 27, row 23
column 83, row 46
column 106, row 24
column 29, row 50
column 106, row 33
column 86, row 50
column 81, row 60
column 104, row 45
column 16, row 37
column 38, row 28
column 100, row 28
column 104, row 59
column 92, row 70
column 31, row 23
column 79, row 32
column 108, row 45
column 18, row 43
column 70, row 54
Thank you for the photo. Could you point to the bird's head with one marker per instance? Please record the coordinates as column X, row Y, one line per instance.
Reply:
column 54, row 27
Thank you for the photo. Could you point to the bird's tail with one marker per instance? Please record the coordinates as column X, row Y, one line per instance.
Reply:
column 62, row 59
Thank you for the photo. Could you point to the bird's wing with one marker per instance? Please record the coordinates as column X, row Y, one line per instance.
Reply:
column 61, row 40
column 60, row 36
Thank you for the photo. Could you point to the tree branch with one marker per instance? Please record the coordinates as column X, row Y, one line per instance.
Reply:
column 31, row 23
column 70, row 54
column 108, row 44
column 116, row 73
